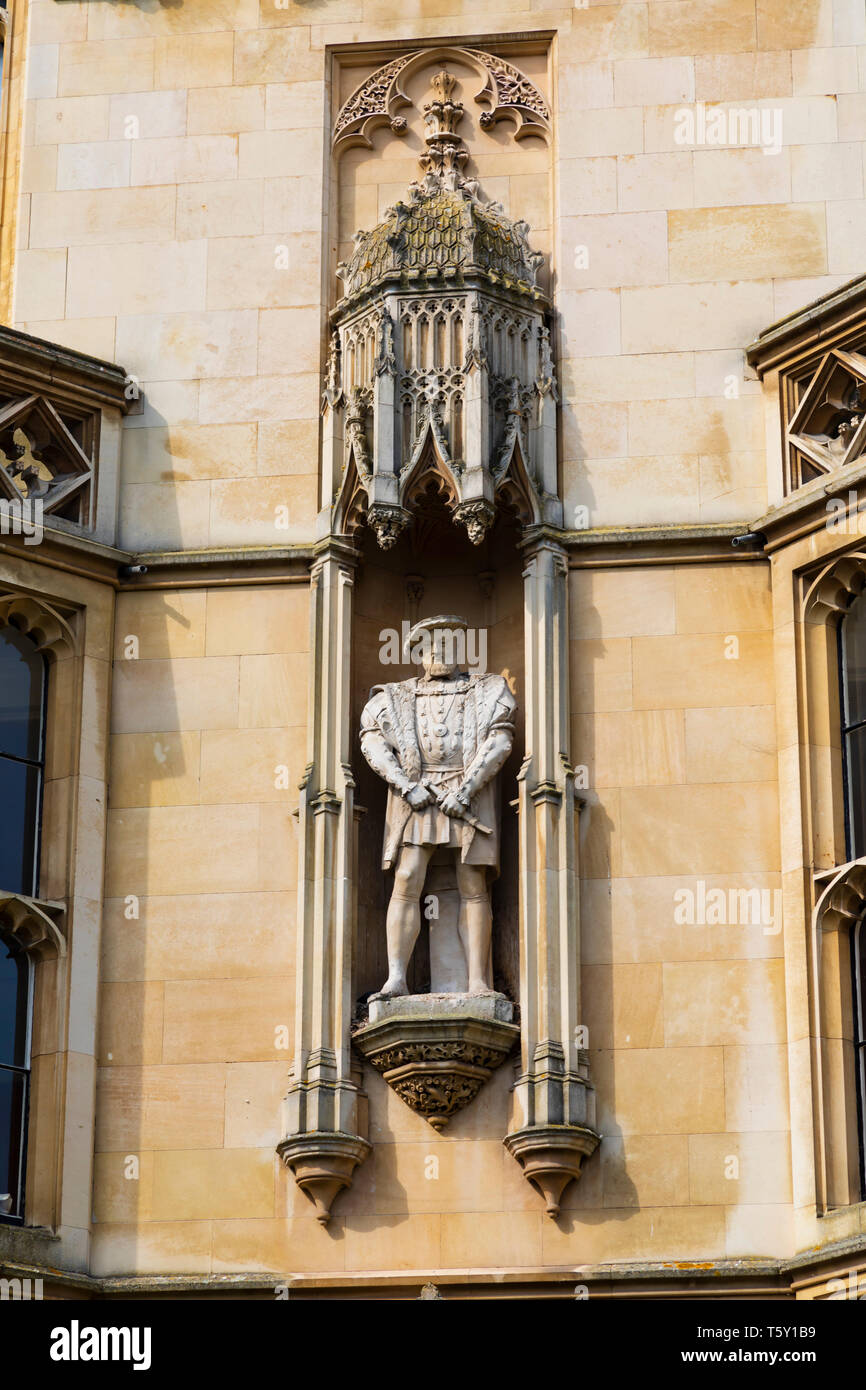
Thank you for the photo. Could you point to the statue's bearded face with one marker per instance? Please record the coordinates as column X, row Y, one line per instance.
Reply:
column 439, row 655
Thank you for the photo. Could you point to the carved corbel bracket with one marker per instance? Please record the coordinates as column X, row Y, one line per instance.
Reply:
column 323, row 1163
column 415, row 584
column 388, row 522
column 551, row 1157
column 477, row 516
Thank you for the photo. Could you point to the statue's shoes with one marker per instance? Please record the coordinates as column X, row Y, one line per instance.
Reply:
column 387, row 994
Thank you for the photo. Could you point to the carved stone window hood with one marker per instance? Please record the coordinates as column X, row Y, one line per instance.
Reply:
column 440, row 365
column 816, row 360
column 60, row 423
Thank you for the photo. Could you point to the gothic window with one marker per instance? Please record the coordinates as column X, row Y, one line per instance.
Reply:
column 15, row 1001
column 22, row 759
column 852, row 634
column 22, row 744
column 858, row 975
column 852, row 661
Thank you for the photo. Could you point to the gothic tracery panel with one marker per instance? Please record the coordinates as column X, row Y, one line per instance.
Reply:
column 828, row 427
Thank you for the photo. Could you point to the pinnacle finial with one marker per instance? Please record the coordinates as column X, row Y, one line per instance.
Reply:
column 442, row 115
column 443, row 85
column 446, row 152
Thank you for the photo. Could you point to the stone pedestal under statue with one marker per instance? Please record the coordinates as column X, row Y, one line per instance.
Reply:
column 437, row 1050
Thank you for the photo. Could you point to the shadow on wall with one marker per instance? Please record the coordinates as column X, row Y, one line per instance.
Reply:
column 579, row 499
column 152, row 765
column 605, row 1191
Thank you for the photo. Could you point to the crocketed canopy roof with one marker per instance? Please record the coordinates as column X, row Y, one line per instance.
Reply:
column 442, row 231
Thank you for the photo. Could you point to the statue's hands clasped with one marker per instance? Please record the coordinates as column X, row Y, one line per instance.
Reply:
column 452, row 803
column 419, row 796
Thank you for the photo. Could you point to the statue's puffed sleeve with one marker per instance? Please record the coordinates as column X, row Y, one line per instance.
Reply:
column 496, row 744
column 377, row 748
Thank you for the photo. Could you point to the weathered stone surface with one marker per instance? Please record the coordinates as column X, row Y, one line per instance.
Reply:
column 438, row 1052
column 481, row 1006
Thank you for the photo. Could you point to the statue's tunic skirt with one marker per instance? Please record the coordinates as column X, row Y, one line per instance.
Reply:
column 432, row 827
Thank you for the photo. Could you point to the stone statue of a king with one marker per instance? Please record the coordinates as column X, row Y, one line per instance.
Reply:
column 439, row 741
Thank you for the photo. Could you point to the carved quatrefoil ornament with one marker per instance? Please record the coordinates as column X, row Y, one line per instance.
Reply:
column 40, row 459
column 829, row 424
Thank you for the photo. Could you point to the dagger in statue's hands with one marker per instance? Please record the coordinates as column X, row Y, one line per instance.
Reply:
column 439, row 795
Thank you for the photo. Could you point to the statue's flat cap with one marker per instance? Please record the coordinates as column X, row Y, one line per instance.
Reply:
column 447, row 622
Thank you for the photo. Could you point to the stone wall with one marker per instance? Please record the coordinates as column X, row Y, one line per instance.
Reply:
column 175, row 165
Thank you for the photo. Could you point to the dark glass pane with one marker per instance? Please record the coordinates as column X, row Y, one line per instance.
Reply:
column 860, row 982
column 13, row 1115
column 19, row 799
column 14, row 995
column 859, row 973
column 854, row 662
column 22, row 678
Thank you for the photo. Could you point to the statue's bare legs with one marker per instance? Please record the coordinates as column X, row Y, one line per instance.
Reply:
column 475, row 924
column 403, row 922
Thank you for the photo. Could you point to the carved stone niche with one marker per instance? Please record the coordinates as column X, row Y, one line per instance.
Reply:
column 439, row 419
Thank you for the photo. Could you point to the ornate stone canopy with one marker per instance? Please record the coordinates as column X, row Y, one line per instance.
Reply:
column 440, row 368
column 444, row 228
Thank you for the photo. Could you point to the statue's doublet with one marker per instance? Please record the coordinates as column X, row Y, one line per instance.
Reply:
column 439, row 722
column 437, row 730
